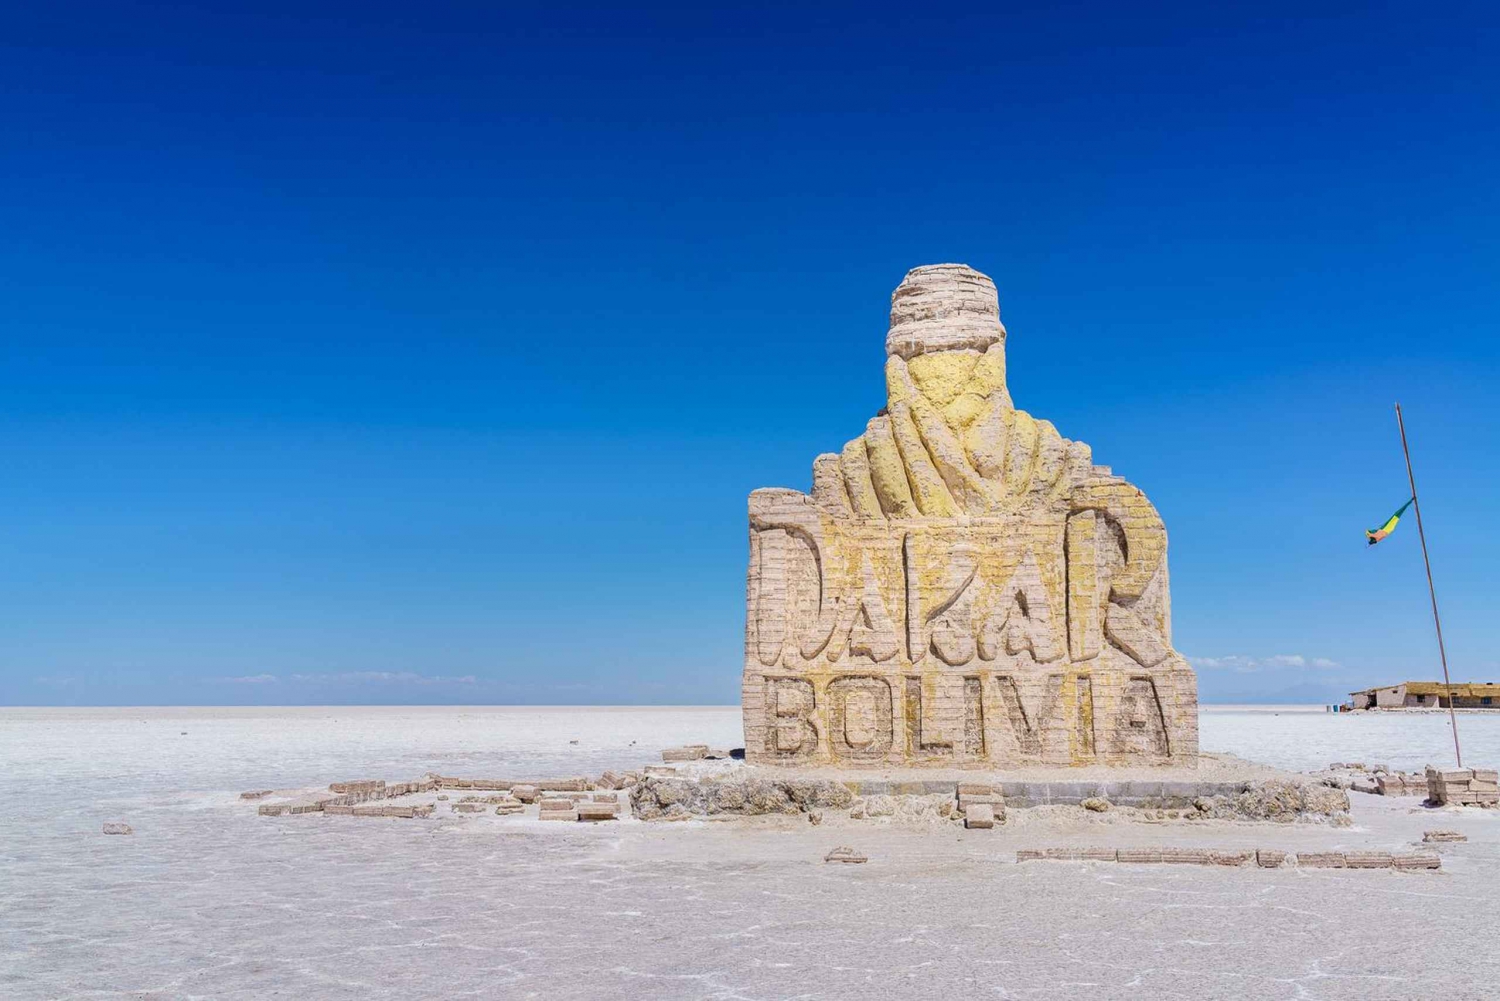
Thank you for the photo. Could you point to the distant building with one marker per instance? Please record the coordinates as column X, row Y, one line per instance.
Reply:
column 1428, row 694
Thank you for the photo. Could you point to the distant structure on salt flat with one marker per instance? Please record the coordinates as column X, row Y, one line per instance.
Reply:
column 1428, row 695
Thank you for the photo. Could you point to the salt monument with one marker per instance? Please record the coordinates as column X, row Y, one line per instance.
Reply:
column 964, row 587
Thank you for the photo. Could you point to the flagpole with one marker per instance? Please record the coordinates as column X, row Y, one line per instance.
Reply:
column 1437, row 622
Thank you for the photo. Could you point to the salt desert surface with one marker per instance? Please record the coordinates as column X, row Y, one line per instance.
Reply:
column 207, row 899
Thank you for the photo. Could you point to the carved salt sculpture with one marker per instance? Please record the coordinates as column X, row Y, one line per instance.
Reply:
column 963, row 587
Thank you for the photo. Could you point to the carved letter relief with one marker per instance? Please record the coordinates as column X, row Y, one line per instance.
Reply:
column 963, row 587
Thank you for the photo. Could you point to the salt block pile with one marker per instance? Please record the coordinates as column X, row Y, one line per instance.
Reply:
column 1463, row 787
column 556, row 799
column 1401, row 784
column 980, row 804
column 1264, row 858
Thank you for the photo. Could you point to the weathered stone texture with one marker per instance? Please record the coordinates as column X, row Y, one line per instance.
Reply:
column 963, row 587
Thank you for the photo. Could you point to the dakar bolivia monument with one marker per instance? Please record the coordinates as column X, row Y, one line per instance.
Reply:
column 964, row 587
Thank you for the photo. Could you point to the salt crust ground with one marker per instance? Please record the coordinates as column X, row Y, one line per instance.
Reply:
column 207, row 899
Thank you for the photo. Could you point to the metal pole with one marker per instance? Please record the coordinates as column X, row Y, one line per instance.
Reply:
column 1437, row 622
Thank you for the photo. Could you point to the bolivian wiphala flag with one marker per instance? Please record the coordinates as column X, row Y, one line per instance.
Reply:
column 1374, row 535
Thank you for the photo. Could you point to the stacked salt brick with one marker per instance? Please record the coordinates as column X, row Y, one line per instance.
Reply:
column 980, row 805
column 1401, row 784
column 1463, row 787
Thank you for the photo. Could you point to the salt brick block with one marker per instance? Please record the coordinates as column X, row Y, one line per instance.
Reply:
column 406, row 812
column 1138, row 855
column 1416, row 860
column 1368, row 860
column 671, row 754
column 558, row 803
column 1456, row 774
column 570, row 815
column 1029, row 855
column 423, row 810
column 337, row 810
column 272, row 809
column 980, row 816
column 1270, row 858
column 1478, row 785
column 1322, row 860
column 524, row 793
column 659, row 770
column 1186, row 856
column 1220, row 857
column 598, row 811
column 509, row 809
column 975, row 789
column 561, row 785
column 1437, row 836
column 1486, row 775
column 967, row 800
column 1079, row 854
column 606, row 797
column 468, row 807
column 314, row 807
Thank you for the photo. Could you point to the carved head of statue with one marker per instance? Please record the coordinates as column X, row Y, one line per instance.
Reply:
column 946, row 329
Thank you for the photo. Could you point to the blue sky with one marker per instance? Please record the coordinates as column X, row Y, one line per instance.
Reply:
column 338, row 346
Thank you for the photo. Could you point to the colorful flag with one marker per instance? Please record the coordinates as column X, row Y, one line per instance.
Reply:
column 1374, row 535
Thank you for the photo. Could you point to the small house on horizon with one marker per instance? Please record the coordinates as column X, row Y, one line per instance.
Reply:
column 1429, row 695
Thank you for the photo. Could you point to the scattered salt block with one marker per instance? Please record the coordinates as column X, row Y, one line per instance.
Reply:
column 598, row 811
column 272, row 809
column 1095, row 804
column 980, row 816
column 695, row 752
column 557, row 803
column 561, row 785
column 468, row 807
column 844, row 853
column 359, row 785
column 524, row 793
column 510, row 809
column 115, row 827
column 337, row 810
column 716, row 754
column 257, row 794
column 1367, row 860
column 1077, row 854
column 1222, row 857
column 1270, row 858
column 423, row 810
column 1436, row 836
column 659, row 770
column 606, row 797
column 1416, row 860
column 1321, row 860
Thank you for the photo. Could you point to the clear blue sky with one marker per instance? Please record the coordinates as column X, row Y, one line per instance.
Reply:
column 339, row 344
